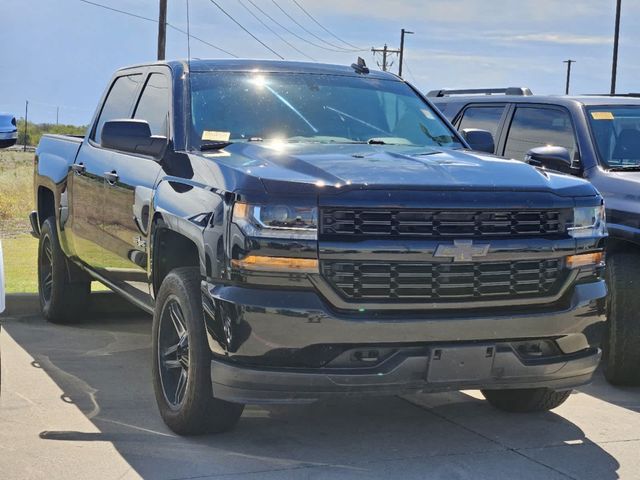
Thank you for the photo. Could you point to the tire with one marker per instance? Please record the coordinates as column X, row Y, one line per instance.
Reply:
column 61, row 300
column 182, row 360
column 622, row 343
column 526, row 400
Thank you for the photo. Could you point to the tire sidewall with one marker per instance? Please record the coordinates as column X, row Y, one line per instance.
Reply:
column 48, row 231
column 198, row 390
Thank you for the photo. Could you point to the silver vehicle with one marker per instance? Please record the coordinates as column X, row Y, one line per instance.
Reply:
column 8, row 130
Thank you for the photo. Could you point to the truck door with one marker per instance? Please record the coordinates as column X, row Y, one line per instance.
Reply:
column 86, row 182
column 129, row 187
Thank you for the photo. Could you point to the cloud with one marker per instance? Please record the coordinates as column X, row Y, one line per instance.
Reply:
column 559, row 38
column 462, row 11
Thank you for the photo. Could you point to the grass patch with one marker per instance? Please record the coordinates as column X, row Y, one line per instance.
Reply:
column 16, row 192
column 20, row 264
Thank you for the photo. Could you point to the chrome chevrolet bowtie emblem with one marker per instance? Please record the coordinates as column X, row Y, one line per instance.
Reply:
column 461, row 250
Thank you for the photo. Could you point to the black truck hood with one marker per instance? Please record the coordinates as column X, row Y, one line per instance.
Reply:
column 296, row 168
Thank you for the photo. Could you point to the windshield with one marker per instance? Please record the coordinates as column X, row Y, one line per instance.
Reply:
column 293, row 107
column 617, row 134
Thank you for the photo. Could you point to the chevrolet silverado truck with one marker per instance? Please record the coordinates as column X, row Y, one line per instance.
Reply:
column 596, row 137
column 304, row 230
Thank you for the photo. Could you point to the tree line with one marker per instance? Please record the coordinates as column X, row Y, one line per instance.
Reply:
column 35, row 130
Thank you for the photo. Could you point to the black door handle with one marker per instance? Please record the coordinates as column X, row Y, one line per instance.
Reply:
column 112, row 177
column 78, row 168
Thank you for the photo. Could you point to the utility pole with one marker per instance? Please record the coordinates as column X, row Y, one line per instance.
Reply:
column 403, row 32
column 568, row 62
column 57, row 115
column 26, row 122
column 162, row 30
column 385, row 55
column 616, row 37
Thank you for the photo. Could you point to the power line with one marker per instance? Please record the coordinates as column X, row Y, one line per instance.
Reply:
column 274, row 32
column 342, row 49
column 326, row 29
column 201, row 40
column 290, row 31
column 120, row 11
column 413, row 77
column 247, row 31
column 141, row 17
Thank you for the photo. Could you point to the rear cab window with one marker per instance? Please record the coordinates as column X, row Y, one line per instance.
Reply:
column 538, row 126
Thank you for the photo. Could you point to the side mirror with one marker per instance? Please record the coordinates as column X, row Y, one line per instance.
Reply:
column 133, row 136
column 480, row 140
column 551, row 158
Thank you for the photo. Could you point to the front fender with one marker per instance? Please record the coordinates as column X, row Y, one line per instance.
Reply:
column 188, row 208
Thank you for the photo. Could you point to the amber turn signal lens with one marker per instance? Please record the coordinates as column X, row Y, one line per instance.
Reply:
column 282, row 264
column 585, row 259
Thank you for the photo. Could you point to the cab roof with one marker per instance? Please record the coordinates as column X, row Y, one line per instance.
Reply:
column 248, row 65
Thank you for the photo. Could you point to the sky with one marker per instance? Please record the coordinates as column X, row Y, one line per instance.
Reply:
column 59, row 54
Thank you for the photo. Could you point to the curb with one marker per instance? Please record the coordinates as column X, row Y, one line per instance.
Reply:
column 103, row 303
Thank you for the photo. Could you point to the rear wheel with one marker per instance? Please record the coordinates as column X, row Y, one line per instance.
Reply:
column 182, row 360
column 526, row 399
column 61, row 300
column 622, row 343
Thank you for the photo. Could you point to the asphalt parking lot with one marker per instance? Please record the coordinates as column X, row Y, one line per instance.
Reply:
column 77, row 402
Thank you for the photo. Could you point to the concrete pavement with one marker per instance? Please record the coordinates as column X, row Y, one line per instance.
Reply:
column 77, row 402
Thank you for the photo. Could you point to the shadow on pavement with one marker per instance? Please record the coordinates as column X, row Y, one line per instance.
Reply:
column 626, row 397
column 103, row 367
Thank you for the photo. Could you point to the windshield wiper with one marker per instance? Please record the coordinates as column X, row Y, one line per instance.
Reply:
column 214, row 146
column 626, row 168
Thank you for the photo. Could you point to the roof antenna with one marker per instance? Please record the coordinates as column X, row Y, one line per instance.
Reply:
column 361, row 66
column 188, row 36
column 188, row 130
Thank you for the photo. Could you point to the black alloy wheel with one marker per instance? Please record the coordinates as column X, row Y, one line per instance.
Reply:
column 173, row 353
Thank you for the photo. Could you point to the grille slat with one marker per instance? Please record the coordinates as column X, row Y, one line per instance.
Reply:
column 439, row 223
column 399, row 281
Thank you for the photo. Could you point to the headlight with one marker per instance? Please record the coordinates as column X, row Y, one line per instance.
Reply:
column 277, row 221
column 588, row 222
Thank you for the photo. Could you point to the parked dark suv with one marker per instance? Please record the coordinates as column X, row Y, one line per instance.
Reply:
column 594, row 137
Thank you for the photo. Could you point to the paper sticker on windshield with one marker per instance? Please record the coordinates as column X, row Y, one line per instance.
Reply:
column 215, row 136
column 602, row 115
column 427, row 113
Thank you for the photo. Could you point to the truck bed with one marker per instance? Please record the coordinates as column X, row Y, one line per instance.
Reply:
column 55, row 153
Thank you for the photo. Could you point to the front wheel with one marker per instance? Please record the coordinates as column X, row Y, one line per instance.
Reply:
column 182, row 360
column 526, row 399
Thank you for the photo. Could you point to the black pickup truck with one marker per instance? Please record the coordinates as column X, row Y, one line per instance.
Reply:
column 304, row 230
column 596, row 137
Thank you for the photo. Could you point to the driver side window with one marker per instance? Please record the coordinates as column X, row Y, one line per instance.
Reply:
column 536, row 127
column 153, row 105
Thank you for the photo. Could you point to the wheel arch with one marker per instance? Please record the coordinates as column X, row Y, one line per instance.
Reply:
column 171, row 248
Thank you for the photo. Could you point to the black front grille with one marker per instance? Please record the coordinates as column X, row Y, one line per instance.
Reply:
column 382, row 281
column 439, row 223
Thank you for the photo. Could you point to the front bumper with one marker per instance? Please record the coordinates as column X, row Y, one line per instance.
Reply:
column 405, row 374
column 9, row 135
column 275, row 346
